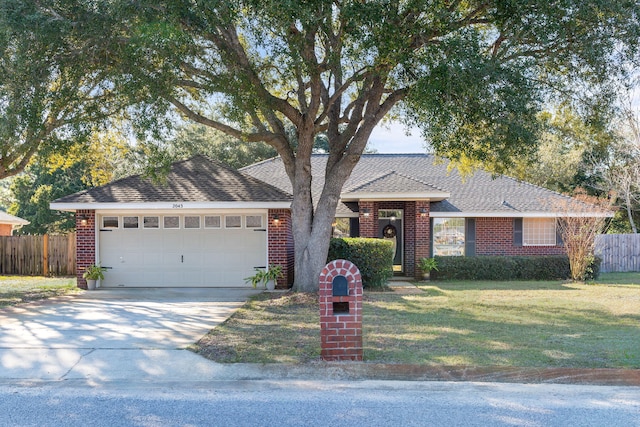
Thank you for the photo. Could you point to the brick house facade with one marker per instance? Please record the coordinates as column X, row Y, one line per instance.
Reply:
column 426, row 208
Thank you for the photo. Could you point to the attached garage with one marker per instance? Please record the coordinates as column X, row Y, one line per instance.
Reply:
column 188, row 250
column 207, row 225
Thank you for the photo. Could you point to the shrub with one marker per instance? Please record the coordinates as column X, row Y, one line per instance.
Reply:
column 508, row 268
column 373, row 257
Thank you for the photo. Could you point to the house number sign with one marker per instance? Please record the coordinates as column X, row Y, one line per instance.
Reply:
column 178, row 206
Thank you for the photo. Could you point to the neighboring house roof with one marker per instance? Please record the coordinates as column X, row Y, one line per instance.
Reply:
column 17, row 222
column 480, row 194
column 199, row 180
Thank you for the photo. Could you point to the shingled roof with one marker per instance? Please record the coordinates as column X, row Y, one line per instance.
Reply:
column 480, row 194
column 198, row 179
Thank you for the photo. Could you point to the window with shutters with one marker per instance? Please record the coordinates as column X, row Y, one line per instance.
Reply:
column 539, row 232
column 448, row 236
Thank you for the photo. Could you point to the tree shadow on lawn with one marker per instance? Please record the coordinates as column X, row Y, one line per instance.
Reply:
column 420, row 330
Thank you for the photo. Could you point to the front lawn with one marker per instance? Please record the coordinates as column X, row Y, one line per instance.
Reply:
column 521, row 324
column 19, row 289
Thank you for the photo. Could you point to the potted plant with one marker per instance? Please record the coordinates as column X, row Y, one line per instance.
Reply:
column 426, row 265
column 92, row 274
column 272, row 275
column 259, row 277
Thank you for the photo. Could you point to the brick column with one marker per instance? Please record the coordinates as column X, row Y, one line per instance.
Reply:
column 85, row 243
column 422, row 234
column 341, row 315
column 281, row 244
column 368, row 222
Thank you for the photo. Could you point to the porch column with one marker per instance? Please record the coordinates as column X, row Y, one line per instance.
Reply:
column 422, row 233
column 368, row 217
column 281, row 244
column 85, row 243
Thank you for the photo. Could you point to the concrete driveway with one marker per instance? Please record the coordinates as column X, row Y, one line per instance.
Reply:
column 113, row 334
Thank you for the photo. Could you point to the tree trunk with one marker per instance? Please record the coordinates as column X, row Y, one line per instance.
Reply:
column 312, row 227
column 630, row 213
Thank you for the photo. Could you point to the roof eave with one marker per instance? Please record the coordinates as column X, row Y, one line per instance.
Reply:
column 497, row 214
column 74, row 206
column 393, row 197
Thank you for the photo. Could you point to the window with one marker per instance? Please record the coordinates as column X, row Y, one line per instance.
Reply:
column 233, row 221
column 151, row 222
column 171, row 222
column 341, row 227
column 448, row 236
column 253, row 221
column 110, row 222
column 191, row 222
column 212, row 221
column 130, row 222
column 539, row 232
column 391, row 214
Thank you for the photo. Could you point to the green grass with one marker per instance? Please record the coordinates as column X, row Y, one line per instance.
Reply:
column 20, row 289
column 514, row 324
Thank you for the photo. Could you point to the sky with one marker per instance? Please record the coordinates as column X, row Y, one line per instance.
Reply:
column 392, row 138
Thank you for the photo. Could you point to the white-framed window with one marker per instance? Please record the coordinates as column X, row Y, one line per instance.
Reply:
column 341, row 227
column 171, row 222
column 110, row 222
column 191, row 221
column 151, row 222
column 253, row 221
column 130, row 222
column 539, row 232
column 212, row 221
column 232, row 221
column 448, row 236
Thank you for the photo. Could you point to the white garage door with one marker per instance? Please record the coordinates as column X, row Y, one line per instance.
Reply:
column 181, row 250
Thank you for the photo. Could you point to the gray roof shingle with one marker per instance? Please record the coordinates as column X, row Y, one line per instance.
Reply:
column 198, row 179
column 478, row 193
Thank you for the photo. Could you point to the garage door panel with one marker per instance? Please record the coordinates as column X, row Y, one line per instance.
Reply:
column 181, row 257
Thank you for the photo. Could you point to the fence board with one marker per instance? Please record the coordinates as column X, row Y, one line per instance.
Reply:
column 619, row 252
column 24, row 255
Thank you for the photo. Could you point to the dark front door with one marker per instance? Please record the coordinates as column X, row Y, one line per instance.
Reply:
column 390, row 228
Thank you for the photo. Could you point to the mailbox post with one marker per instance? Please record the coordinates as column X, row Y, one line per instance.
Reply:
column 341, row 311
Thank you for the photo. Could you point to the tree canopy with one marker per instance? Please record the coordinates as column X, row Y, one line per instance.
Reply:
column 472, row 75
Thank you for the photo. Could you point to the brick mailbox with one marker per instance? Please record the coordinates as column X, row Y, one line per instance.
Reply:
column 341, row 311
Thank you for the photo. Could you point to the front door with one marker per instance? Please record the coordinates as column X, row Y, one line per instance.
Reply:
column 390, row 228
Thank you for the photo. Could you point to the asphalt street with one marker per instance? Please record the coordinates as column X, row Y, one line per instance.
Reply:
column 317, row 403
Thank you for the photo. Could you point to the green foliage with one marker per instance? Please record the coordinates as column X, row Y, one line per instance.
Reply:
column 272, row 274
column 33, row 191
column 94, row 272
column 508, row 268
column 373, row 257
column 191, row 140
column 428, row 264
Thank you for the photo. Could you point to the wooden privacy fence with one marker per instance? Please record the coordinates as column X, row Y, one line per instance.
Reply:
column 619, row 252
column 38, row 255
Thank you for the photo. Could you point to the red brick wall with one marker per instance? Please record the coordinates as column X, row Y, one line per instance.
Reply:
column 340, row 333
column 281, row 244
column 85, row 244
column 368, row 224
column 494, row 236
column 423, row 234
column 6, row 229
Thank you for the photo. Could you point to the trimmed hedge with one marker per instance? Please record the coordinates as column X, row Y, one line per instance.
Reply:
column 373, row 257
column 507, row 268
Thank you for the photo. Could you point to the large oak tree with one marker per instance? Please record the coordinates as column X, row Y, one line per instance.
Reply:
column 472, row 74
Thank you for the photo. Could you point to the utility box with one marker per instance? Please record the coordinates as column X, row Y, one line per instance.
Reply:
column 341, row 311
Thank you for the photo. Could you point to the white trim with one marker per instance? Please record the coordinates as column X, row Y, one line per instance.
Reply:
column 394, row 196
column 349, row 215
column 519, row 214
column 169, row 206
